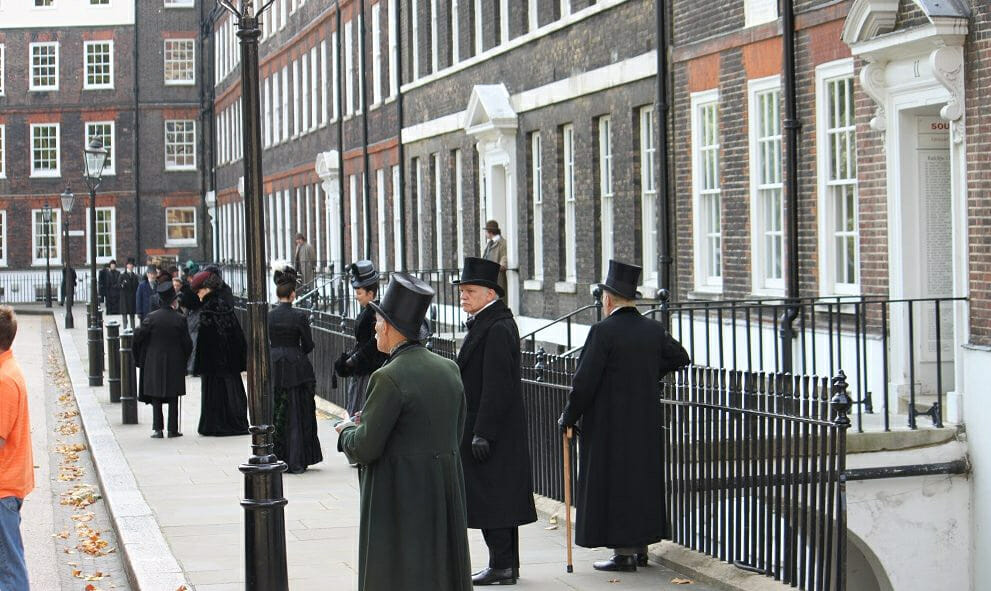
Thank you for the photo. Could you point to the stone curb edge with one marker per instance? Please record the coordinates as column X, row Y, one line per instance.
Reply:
column 147, row 557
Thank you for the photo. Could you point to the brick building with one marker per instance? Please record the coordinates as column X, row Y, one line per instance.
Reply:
column 71, row 70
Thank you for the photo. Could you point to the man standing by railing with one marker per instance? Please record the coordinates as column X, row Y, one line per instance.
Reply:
column 620, row 502
column 494, row 451
column 305, row 259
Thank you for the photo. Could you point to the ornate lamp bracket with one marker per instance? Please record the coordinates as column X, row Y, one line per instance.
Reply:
column 872, row 81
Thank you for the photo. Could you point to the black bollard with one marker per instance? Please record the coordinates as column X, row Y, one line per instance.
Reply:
column 113, row 360
column 128, row 380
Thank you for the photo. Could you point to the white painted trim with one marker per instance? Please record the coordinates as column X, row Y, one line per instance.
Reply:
column 756, row 266
column 827, row 254
column 58, row 151
column 85, row 72
column 604, row 78
column 701, row 281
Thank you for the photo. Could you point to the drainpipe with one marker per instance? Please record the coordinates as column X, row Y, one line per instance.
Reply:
column 365, row 184
column 137, row 140
column 401, row 151
column 340, row 132
column 208, row 138
column 792, row 126
column 663, row 116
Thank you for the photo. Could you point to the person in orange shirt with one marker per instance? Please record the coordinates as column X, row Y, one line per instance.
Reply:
column 16, row 463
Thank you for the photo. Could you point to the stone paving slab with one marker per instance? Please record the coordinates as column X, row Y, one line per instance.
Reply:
column 192, row 488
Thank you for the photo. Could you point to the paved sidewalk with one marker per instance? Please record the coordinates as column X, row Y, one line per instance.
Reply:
column 193, row 487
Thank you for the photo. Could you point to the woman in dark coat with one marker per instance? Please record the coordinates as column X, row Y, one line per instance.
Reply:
column 293, row 380
column 221, row 356
column 161, row 347
column 364, row 358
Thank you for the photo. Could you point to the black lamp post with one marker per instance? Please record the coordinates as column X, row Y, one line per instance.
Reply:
column 96, row 158
column 264, row 502
column 68, row 274
column 46, row 215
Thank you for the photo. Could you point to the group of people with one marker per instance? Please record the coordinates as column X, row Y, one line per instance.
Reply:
column 188, row 327
column 442, row 446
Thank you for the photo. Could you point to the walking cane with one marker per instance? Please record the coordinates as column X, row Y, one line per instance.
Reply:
column 567, row 493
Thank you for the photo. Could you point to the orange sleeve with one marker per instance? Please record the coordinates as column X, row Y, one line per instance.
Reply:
column 10, row 401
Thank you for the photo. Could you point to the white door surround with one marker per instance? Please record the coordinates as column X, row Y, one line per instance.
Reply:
column 328, row 168
column 492, row 121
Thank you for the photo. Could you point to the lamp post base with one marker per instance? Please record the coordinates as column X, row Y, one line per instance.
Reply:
column 94, row 342
column 264, row 516
column 69, row 322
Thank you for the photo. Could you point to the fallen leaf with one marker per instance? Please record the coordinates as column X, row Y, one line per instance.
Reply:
column 680, row 581
column 614, row 580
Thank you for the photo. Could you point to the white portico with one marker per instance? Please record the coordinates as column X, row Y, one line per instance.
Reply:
column 491, row 120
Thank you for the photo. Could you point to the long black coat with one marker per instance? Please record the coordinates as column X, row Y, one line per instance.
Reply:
column 128, row 286
column 615, row 393
column 500, row 490
column 365, row 354
column 292, row 340
column 221, row 349
column 161, row 347
column 109, row 290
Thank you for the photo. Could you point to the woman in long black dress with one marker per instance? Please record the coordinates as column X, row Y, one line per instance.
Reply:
column 364, row 358
column 293, row 380
column 221, row 356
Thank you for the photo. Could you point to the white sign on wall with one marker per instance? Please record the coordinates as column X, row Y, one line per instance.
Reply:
column 757, row 12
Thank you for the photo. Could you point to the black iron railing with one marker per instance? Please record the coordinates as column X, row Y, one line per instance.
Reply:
column 28, row 286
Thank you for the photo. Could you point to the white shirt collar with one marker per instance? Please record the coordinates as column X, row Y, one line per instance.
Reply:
column 496, row 237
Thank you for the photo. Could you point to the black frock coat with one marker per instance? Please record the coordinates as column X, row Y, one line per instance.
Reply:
column 110, row 290
column 616, row 394
column 128, row 286
column 292, row 340
column 221, row 349
column 161, row 348
column 365, row 354
column 499, row 490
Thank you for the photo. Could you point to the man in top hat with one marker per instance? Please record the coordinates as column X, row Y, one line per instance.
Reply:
column 109, row 279
column 495, row 251
column 412, row 532
column 615, row 396
column 364, row 357
column 494, row 449
column 128, row 286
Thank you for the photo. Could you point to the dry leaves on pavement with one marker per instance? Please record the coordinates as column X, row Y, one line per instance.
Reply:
column 680, row 581
column 80, row 496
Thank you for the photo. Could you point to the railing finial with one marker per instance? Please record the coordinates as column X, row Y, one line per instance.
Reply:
column 841, row 400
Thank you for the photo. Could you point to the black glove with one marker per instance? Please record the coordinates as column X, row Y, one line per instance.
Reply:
column 480, row 449
column 341, row 367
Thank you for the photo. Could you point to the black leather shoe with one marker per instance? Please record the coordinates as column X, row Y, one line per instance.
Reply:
column 619, row 562
column 494, row 576
column 641, row 559
column 174, row 434
column 157, row 434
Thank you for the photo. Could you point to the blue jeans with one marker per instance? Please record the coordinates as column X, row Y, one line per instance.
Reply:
column 13, row 570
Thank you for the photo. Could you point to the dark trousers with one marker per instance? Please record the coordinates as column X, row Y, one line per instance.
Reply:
column 127, row 310
column 156, row 414
column 504, row 547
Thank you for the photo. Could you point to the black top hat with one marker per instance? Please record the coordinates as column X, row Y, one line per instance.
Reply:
column 492, row 226
column 622, row 279
column 166, row 293
column 405, row 305
column 130, row 261
column 286, row 274
column 480, row 272
column 363, row 274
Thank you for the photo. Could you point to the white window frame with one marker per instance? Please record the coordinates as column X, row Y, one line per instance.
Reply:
column 348, row 71
column 334, row 76
column 397, row 231
column 648, row 196
column 3, row 151
column 192, row 61
column 113, row 234
column 353, row 211
column 438, row 211
column 3, row 238
column 761, row 283
column 421, row 255
column 46, row 173
column 295, row 99
column 267, row 109
column 314, row 85
column 87, row 85
column 606, row 192
column 182, row 241
column 393, row 44
column 532, row 16
column 503, row 22
column 174, row 166
column 376, row 54
column 703, row 192
column 537, row 180
column 324, row 83
column 455, row 32
column 479, row 28
column 37, row 220
column 828, row 255
column 276, row 109
column 3, row 70
column 565, row 8
column 42, row 88
column 570, row 204
column 179, row 3
column 415, row 39
column 285, row 103
column 382, row 223
column 110, row 168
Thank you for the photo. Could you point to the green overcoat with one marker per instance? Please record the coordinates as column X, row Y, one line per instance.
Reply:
column 413, row 529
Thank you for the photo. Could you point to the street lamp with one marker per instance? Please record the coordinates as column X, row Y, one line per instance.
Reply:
column 46, row 215
column 96, row 157
column 264, row 503
column 68, row 273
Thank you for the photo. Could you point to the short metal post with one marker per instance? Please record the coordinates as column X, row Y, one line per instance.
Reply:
column 113, row 360
column 128, row 380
